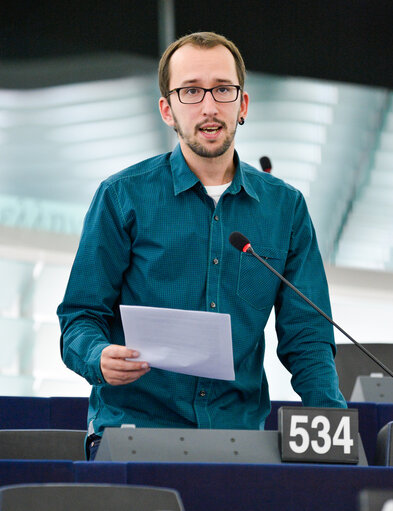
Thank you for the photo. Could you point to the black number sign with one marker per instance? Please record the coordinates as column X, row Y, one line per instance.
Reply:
column 319, row 435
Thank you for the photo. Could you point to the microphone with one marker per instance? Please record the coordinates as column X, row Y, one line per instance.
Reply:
column 266, row 164
column 240, row 242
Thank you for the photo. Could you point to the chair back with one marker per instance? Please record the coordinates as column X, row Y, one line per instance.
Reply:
column 80, row 497
column 42, row 444
column 351, row 362
column 384, row 449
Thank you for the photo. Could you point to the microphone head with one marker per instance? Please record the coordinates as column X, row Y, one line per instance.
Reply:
column 266, row 164
column 239, row 241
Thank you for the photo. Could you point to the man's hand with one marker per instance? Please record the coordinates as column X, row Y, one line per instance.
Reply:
column 119, row 371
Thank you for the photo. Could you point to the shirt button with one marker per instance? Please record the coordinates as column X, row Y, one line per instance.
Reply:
column 202, row 393
column 215, row 260
column 99, row 380
column 212, row 305
column 216, row 218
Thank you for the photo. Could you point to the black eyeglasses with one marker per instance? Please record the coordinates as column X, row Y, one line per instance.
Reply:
column 220, row 93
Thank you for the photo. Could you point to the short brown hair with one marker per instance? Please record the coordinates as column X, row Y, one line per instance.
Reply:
column 203, row 40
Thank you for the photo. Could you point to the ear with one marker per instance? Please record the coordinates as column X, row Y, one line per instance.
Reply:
column 166, row 111
column 244, row 106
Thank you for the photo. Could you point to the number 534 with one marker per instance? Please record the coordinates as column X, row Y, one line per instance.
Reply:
column 341, row 437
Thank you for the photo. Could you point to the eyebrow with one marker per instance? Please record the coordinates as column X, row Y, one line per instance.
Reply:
column 193, row 81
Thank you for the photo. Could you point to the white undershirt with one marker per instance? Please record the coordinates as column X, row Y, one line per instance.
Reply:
column 216, row 191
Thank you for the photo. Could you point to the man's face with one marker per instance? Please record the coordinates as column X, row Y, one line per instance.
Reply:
column 207, row 128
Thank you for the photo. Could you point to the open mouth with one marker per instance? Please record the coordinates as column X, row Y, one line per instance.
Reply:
column 210, row 130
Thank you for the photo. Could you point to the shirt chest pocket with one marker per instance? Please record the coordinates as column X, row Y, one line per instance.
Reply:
column 256, row 284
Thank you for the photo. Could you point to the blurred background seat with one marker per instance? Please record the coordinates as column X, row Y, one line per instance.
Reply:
column 43, row 444
column 80, row 497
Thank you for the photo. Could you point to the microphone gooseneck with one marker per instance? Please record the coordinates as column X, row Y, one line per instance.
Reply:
column 240, row 242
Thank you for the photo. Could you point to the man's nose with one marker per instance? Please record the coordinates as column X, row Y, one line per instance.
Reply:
column 209, row 105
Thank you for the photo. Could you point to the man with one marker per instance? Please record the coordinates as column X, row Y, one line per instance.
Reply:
column 157, row 233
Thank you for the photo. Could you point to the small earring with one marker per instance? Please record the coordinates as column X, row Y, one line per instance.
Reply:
column 241, row 122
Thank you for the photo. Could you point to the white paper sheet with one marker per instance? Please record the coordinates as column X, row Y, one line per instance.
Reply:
column 189, row 342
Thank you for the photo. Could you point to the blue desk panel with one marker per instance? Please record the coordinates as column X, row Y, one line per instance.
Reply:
column 207, row 487
column 24, row 412
column 100, row 472
column 68, row 413
column 26, row 471
column 220, row 487
column 385, row 414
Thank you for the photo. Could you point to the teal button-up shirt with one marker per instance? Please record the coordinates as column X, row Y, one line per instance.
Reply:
column 153, row 237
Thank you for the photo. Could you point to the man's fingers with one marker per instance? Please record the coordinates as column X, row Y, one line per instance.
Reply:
column 116, row 351
column 118, row 364
column 115, row 357
column 122, row 378
column 115, row 367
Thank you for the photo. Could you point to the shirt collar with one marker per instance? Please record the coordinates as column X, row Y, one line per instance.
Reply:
column 184, row 178
column 241, row 180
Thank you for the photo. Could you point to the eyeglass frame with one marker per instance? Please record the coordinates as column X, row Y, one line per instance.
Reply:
column 178, row 89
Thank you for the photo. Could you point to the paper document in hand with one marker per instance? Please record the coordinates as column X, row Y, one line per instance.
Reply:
column 190, row 342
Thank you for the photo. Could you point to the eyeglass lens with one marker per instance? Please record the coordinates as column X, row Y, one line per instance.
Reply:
column 222, row 94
